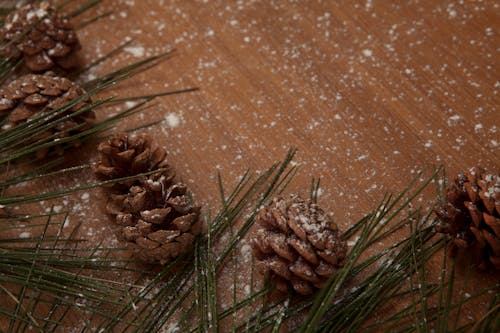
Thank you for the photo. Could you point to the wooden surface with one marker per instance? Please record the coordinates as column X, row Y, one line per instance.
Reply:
column 368, row 91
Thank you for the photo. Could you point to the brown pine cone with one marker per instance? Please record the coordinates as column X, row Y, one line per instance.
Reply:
column 33, row 94
column 42, row 37
column 126, row 155
column 157, row 217
column 298, row 245
column 471, row 216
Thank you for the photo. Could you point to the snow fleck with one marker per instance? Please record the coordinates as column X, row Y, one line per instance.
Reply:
column 85, row 196
column 353, row 242
column 247, row 289
column 368, row 5
column 451, row 11
column 172, row 328
column 173, row 120
column 136, row 51
column 130, row 104
column 246, row 250
column 210, row 33
column 453, row 120
column 428, row 144
column 25, row 235
column 367, row 52
column 66, row 222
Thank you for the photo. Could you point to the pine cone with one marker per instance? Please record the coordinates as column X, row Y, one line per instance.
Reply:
column 157, row 217
column 124, row 156
column 41, row 36
column 298, row 245
column 32, row 94
column 471, row 216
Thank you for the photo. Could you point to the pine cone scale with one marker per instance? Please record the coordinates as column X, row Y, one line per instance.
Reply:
column 305, row 250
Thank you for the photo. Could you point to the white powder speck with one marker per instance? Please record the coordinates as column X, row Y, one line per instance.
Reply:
column 453, row 120
column 351, row 243
column 246, row 39
column 130, row 104
column 58, row 209
column 136, row 51
column 451, row 11
column 173, row 120
column 428, row 144
column 367, row 53
column 246, row 250
column 478, row 127
column 247, row 289
column 85, row 196
column 25, row 235
column 209, row 32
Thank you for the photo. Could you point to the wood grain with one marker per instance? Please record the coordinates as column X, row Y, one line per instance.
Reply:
column 368, row 91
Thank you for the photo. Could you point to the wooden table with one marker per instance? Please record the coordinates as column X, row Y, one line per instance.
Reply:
column 369, row 92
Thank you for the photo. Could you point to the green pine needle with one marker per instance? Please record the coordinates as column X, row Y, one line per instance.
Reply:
column 50, row 274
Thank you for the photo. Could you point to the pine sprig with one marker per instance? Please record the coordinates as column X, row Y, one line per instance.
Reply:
column 45, row 277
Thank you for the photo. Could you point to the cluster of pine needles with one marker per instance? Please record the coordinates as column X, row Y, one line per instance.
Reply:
column 53, row 281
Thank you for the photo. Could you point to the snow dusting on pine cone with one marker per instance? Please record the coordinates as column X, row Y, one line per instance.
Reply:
column 41, row 36
column 297, row 245
column 158, row 217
